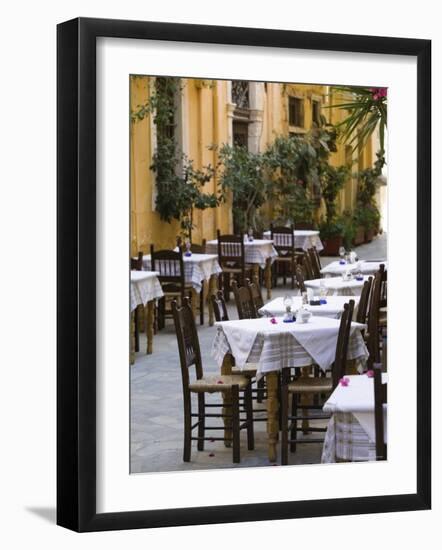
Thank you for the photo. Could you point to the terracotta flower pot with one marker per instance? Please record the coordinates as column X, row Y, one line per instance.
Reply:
column 359, row 236
column 369, row 234
column 332, row 245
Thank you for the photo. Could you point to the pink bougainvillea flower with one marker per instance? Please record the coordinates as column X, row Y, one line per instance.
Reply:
column 370, row 373
column 220, row 382
column 211, row 455
column 378, row 93
column 344, row 381
column 273, row 321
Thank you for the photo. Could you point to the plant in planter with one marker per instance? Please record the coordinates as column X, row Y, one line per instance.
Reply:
column 332, row 236
column 367, row 218
column 180, row 186
column 241, row 176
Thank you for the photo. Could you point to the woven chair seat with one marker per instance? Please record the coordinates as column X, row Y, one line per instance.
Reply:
column 311, row 385
column 248, row 370
column 221, row 383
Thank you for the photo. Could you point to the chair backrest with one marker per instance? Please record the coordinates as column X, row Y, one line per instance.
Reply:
column 373, row 318
column 383, row 300
column 188, row 342
column 380, row 399
column 315, row 262
column 244, row 303
column 230, row 250
column 219, row 307
column 137, row 263
column 283, row 240
column 299, row 273
column 307, row 265
column 255, row 293
column 339, row 365
column 169, row 265
column 361, row 316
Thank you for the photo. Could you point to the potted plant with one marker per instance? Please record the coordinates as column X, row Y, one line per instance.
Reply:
column 332, row 236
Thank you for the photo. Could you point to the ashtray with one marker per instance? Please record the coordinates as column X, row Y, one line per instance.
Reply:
column 359, row 278
column 322, row 301
column 342, row 262
column 187, row 254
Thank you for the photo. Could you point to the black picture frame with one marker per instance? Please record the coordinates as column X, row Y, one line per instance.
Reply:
column 76, row 273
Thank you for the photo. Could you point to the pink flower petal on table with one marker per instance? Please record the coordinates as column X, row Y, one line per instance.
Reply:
column 273, row 321
column 344, row 381
column 220, row 382
column 212, row 441
column 370, row 373
column 211, row 455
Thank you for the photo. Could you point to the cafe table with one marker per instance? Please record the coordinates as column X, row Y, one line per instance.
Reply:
column 366, row 267
column 337, row 286
column 351, row 434
column 145, row 288
column 258, row 252
column 304, row 239
column 198, row 268
column 273, row 345
column 333, row 306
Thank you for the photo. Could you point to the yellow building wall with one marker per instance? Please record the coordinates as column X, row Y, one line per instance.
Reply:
column 206, row 121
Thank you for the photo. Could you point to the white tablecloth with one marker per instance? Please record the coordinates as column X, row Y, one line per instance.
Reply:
column 144, row 287
column 197, row 268
column 351, row 431
column 333, row 308
column 367, row 268
column 335, row 286
column 275, row 346
column 304, row 238
column 255, row 252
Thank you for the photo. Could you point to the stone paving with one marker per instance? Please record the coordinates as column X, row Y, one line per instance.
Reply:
column 156, row 403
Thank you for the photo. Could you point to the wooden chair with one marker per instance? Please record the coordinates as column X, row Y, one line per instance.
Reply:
column 284, row 244
column 249, row 370
column 380, row 399
column 198, row 249
column 298, row 386
column 170, row 267
column 361, row 316
column 315, row 262
column 373, row 337
column 136, row 264
column 231, row 258
column 308, row 268
column 255, row 294
column 190, row 356
column 299, row 272
column 244, row 302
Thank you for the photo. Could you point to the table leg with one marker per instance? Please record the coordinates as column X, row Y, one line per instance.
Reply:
column 132, row 338
column 195, row 301
column 305, row 399
column 268, row 278
column 149, row 325
column 226, row 369
column 212, row 290
column 272, row 414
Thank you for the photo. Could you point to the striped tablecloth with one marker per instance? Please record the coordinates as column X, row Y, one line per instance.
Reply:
column 366, row 268
column 304, row 238
column 144, row 287
column 336, row 286
column 197, row 268
column 275, row 346
column 333, row 308
column 350, row 434
column 255, row 252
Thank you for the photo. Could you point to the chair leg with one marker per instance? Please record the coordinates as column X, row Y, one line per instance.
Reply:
column 249, row 417
column 284, row 424
column 187, row 427
column 226, row 286
column 235, row 424
column 202, row 304
column 201, row 421
column 137, row 332
column 294, row 430
column 260, row 393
